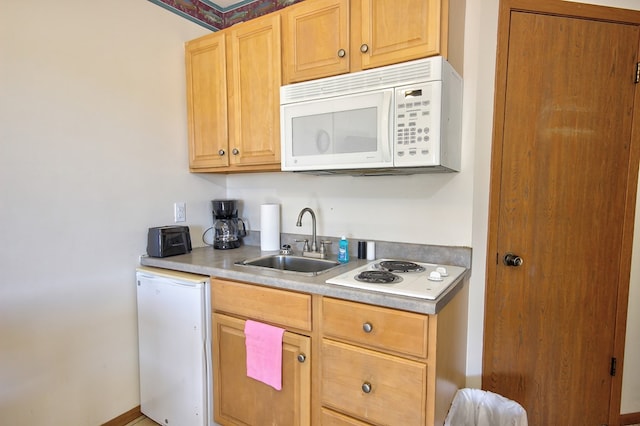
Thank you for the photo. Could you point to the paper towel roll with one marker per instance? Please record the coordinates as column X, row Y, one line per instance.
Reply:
column 269, row 227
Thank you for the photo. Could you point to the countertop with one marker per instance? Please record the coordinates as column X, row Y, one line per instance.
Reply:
column 221, row 264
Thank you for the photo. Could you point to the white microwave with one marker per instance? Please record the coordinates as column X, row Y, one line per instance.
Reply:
column 398, row 119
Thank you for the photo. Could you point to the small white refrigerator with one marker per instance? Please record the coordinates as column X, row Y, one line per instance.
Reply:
column 174, row 335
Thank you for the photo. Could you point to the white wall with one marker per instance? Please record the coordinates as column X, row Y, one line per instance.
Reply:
column 399, row 208
column 92, row 152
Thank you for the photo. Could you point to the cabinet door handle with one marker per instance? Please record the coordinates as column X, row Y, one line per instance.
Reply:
column 367, row 327
column 366, row 387
column 342, row 53
column 302, row 358
column 221, row 152
column 235, row 151
column 364, row 48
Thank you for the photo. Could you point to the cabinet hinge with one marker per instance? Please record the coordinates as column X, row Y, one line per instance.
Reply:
column 614, row 363
column 637, row 73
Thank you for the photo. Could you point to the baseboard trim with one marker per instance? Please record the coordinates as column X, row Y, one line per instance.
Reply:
column 125, row 418
column 629, row 419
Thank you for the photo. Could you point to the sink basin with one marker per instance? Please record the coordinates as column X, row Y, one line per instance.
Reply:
column 292, row 264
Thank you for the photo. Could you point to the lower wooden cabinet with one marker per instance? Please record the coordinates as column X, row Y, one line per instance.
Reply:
column 240, row 400
column 344, row 363
column 382, row 366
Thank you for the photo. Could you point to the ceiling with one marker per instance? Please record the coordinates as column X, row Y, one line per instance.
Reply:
column 219, row 14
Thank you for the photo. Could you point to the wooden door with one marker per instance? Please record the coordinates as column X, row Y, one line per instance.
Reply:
column 315, row 40
column 254, row 92
column 387, row 31
column 240, row 400
column 207, row 101
column 564, row 175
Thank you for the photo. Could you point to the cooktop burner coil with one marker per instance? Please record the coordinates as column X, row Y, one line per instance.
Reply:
column 378, row 277
column 399, row 266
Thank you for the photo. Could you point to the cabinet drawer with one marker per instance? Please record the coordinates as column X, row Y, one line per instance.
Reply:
column 331, row 418
column 279, row 307
column 397, row 387
column 384, row 328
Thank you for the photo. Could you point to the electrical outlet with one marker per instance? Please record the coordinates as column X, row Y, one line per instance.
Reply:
column 180, row 212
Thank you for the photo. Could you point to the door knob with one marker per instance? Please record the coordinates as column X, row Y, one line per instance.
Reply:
column 511, row 259
column 342, row 53
column 364, row 48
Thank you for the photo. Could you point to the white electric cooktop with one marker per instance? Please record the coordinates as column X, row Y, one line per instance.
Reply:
column 401, row 277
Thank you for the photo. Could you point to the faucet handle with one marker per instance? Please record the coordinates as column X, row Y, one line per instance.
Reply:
column 306, row 244
column 323, row 248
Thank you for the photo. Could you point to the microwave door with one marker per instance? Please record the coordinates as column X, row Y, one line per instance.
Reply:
column 337, row 133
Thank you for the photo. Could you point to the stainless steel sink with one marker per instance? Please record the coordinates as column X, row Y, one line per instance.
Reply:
column 291, row 264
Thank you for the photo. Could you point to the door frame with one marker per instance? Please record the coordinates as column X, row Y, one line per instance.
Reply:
column 597, row 13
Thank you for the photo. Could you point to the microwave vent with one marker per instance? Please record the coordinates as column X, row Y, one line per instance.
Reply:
column 422, row 70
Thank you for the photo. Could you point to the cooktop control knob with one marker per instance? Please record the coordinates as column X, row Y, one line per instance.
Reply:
column 435, row 276
column 442, row 271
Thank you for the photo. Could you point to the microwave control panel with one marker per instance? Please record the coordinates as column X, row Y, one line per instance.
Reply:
column 417, row 122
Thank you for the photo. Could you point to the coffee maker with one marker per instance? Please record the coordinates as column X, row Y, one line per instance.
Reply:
column 228, row 229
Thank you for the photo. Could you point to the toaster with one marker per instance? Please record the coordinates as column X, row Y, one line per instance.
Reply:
column 164, row 241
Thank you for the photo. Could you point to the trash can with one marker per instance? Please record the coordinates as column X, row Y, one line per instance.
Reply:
column 475, row 407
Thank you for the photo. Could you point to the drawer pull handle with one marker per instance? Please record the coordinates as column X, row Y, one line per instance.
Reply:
column 366, row 387
column 367, row 327
column 302, row 357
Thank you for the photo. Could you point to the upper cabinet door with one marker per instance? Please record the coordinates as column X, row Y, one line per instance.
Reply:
column 207, row 102
column 254, row 91
column 315, row 40
column 386, row 32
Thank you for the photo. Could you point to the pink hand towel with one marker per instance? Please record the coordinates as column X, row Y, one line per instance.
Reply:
column 264, row 353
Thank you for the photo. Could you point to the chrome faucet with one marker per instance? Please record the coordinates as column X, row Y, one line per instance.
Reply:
column 314, row 252
column 314, row 244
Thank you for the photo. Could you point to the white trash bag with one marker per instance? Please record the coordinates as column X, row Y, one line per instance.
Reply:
column 475, row 407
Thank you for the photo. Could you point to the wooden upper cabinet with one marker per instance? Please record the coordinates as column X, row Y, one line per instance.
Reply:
column 207, row 101
column 386, row 32
column 254, row 92
column 233, row 98
column 322, row 38
column 315, row 40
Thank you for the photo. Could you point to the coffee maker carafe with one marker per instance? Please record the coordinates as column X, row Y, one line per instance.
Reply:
column 228, row 229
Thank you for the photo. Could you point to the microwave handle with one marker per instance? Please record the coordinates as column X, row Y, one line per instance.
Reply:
column 387, row 123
